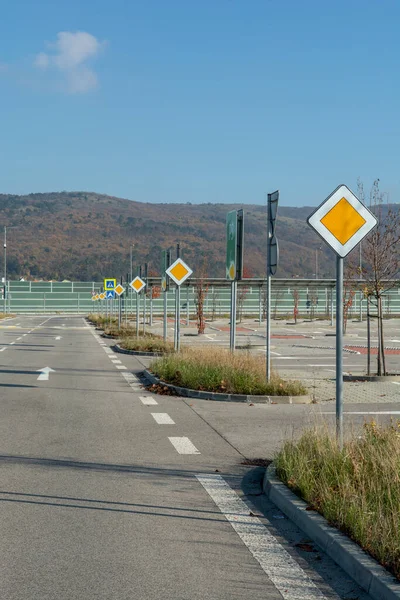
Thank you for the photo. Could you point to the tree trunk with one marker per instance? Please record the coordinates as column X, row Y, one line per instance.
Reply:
column 378, row 356
column 368, row 337
column 382, row 341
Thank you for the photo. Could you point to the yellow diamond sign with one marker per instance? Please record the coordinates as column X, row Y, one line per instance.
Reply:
column 342, row 220
column 179, row 271
column 119, row 289
column 137, row 284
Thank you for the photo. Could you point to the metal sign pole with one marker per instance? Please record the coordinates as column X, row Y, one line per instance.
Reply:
column 137, row 315
column 268, row 333
column 120, row 309
column 165, row 315
column 187, row 307
column 178, row 318
column 232, row 319
column 268, row 307
column 339, row 351
column 272, row 264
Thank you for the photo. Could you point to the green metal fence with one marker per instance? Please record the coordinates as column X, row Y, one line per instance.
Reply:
column 315, row 299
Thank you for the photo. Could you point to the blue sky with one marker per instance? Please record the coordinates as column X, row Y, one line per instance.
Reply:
column 200, row 100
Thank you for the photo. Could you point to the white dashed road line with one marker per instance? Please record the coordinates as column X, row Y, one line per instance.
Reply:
column 120, row 366
column 284, row 572
column 183, row 445
column 162, row 418
column 148, row 400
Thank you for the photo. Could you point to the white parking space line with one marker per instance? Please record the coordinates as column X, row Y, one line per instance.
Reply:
column 285, row 573
column 183, row 445
column 162, row 418
column 148, row 400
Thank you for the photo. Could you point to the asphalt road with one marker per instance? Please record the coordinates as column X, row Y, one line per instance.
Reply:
column 109, row 492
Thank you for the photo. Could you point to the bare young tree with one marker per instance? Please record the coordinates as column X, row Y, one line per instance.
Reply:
column 200, row 294
column 381, row 260
column 295, row 294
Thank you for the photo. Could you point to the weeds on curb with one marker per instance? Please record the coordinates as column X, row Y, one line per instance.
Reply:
column 357, row 489
column 146, row 343
column 218, row 370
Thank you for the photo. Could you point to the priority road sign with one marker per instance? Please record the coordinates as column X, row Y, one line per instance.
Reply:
column 110, row 294
column 119, row 289
column 179, row 271
column 342, row 221
column 137, row 284
column 110, row 284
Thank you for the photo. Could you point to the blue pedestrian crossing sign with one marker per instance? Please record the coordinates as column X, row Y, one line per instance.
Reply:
column 110, row 294
column 110, row 284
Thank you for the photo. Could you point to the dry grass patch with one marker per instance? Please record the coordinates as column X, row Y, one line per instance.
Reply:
column 218, row 370
column 356, row 490
column 146, row 343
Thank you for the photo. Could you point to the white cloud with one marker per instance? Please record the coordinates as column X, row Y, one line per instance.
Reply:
column 69, row 56
column 42, row 61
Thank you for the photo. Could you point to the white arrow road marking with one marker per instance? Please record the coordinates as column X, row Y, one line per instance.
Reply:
column 44, row 373
column 58, row 337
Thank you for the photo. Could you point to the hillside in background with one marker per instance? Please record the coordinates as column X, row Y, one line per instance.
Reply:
column 85, row 236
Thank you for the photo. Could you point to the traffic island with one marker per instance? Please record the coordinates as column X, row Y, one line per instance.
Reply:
column 158, row 385
column 217, row 374
column 390, row 377
column 118, row 348
column 336, row 496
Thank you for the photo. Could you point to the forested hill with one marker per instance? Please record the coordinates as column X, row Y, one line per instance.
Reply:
column 85, row 236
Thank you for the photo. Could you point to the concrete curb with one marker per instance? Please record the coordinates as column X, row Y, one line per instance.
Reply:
column 187, row 393
column 117, row 348
column 366, row 571
column 371, row 378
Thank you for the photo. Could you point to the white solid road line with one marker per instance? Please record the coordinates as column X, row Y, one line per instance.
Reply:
column 148, row 400
column 284, row 572
column 183, row 445
column 346, row 365
column 162, row 418
column 371, row 412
